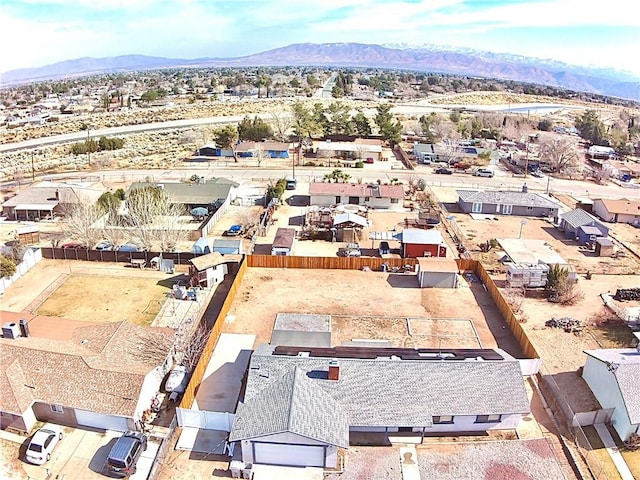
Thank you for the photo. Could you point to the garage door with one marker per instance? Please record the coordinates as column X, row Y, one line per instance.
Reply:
column 294, row 455
column 97, row 420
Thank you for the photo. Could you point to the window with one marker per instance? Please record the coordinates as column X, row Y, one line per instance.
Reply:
column 442, row 419
column 529, row 208
column 338, row 199
column 394, row 200
column 488, row 418
column 57, row 409
column 366, row 199
column 476, row 207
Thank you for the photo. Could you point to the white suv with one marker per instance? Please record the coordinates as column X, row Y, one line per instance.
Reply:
column 483, row 172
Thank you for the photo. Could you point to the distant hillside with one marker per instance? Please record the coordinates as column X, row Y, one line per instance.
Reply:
column 424, row 58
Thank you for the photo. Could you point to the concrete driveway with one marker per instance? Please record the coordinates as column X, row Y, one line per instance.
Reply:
column 81, row 455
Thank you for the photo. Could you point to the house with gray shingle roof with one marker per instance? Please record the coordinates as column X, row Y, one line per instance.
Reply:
column 302, row 404
column 574, row 224
column 612, row 375
column 81, row 374
column 499, row 202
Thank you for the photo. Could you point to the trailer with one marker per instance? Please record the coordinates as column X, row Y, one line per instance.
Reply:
column 527, row 274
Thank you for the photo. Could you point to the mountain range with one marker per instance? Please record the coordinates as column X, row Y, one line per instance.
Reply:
column 429, row 58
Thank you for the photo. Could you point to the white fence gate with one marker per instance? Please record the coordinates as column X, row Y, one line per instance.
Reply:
column 29, row 259
column 221, row 421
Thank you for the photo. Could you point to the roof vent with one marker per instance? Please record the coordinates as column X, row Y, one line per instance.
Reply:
column 10, row 330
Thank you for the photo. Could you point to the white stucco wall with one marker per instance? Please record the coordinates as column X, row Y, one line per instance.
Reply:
column 461, row 423
column 373, row 202
column 605, row 388
column 29, row 418
column 150, row 386
column 216, row 274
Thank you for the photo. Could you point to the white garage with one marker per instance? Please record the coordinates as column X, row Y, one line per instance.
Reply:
column 105, row 422
column 437, row 272
column 290, row 455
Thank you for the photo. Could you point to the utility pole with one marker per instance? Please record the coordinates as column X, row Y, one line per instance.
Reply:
column 33, row 171
column 88, row 147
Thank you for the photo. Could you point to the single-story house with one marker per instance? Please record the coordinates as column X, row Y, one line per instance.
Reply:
column 302, row 404
column 373, row 195
column 571, row 223
column 437, row 272
column 211, row 268
column 212, row 150
column 430, row 153
column 268, row 149
column 422, row 243
column 46, row 200
column 80, row 374
column 348, row 150
column 283, row 242
column 228, row 246
column 214, row 194
column 618, row 211
column 526, row 204
column 612, row 375
column 619, row 168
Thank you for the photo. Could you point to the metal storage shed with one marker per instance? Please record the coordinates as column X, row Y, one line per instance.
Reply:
column 437, row 272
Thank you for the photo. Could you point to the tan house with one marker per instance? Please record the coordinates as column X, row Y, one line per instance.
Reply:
column 98, row 375
column 618, row 211
column 374, row 196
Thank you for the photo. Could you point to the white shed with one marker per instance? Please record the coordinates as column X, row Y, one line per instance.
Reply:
column 437, row 272
column 527, row 274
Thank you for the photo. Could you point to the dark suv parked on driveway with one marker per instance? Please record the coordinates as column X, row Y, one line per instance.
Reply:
column 125, row 453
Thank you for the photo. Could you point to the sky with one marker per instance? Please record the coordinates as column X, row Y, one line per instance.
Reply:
column 603, row 33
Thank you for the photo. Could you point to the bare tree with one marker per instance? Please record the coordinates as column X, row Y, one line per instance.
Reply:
column 190, row 349
column 324, row 154
column 259, row 154
column 79, row 220
column 559, row 153
column 282, row 123
column 451, row 148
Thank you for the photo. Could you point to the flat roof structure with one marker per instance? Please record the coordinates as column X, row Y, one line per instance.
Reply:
column 522, row 250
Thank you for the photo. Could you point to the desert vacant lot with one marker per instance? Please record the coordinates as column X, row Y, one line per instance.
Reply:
column 347, row 293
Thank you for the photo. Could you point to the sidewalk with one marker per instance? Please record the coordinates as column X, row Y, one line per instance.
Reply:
column 615, row 455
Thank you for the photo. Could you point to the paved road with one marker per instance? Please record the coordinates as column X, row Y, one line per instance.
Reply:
column 503, row 179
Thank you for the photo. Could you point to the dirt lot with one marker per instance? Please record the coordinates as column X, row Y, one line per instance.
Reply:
column 90, row 291
column 376, row 294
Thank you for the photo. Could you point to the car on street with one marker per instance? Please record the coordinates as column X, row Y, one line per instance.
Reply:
column 369, row 160
column 177, row 381
column 104, row 246
column 73, row 246
column 483, row 172
column 234, row 231
column 125, row 453
column 291, row 184
column 537, row 173
column 129, row 247
column 443, row 171
column 42, row 444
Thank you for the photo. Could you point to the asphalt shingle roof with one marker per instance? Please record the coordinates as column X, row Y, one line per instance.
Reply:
column 524, row 199
column 578, row 217
column 381, row 392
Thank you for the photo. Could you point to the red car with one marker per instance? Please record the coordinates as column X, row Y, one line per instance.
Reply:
column 369, row 160
column 73, row 246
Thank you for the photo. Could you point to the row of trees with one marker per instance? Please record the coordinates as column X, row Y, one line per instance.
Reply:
column 620, row 133
column 103, row 144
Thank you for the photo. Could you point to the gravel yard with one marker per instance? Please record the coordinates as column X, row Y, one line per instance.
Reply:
column 370, row 463
column 499, row 460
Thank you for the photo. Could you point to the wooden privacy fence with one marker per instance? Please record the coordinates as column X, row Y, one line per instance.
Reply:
column 327, row 263
column 505, row 310
column 198, row 372
column 179, row 258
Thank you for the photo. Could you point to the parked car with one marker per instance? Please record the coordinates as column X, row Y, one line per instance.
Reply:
column 352, row 250
column 234, row 231
column 443, row 171
column 125, row 453
column 291, row 184
column 384, row 249
column 104, row 246
column 129, row 247
column 537, row 173
column 483, row 172
column 73, row 246
column 177, row 380
column 43, row 443
column 369, row 160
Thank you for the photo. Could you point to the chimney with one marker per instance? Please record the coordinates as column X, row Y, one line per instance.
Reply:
column 57, row 194
column 334, row 370
column 24, row 327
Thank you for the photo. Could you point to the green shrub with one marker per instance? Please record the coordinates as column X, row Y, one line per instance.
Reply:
column 359, row 165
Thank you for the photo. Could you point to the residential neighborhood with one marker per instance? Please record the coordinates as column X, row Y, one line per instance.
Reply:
column 282, row 285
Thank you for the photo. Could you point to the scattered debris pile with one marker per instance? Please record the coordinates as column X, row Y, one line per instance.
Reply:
column 568, row 324
column 625, row 294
